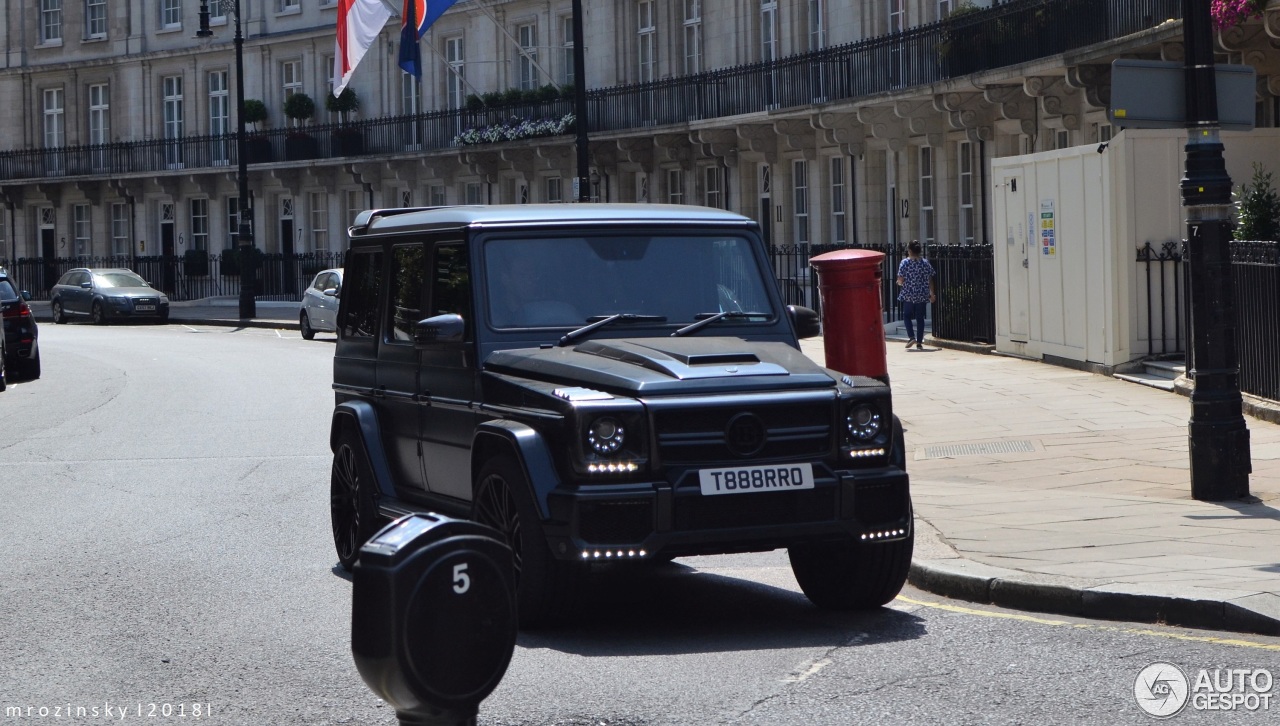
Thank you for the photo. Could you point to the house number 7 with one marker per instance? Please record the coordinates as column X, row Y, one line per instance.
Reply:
column 461, row 580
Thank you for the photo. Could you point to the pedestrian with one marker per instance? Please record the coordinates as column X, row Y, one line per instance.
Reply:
column 915, row 277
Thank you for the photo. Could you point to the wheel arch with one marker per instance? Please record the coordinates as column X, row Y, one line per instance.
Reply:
column 526, row 445
column 360, row 417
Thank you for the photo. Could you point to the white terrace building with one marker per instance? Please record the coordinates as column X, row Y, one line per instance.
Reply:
column 829, row 121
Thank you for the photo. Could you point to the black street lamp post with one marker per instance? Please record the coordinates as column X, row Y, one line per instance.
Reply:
column 1218, row 439
column 244, row 236
column 580, row 103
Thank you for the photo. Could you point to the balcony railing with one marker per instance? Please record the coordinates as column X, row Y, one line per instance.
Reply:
column 1007, row 34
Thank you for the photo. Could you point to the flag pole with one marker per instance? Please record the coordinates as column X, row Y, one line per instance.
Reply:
column 580, row 104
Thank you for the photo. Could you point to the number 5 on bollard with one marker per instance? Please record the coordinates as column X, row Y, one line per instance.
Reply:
column 433, row 617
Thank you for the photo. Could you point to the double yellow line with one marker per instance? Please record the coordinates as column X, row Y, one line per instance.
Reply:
column 1237, row 642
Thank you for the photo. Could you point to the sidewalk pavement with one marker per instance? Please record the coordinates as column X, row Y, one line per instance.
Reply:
column 1043, row 488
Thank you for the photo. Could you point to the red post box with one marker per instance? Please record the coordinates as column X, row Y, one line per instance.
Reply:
column 852, row 316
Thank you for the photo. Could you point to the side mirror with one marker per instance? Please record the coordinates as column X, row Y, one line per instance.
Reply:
column 433, row 616
column 331, row 292
column 805, row 320
column 26, row 296
column 447, row 328
column 86, row 285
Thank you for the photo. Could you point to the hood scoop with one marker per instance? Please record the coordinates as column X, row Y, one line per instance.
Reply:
column 685, row 358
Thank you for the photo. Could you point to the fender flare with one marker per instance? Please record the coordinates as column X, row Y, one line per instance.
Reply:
column 530, row 450
column 899, row 445
column 361, row 416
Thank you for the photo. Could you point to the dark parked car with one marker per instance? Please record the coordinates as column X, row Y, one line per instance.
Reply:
column 106, row 294
column 606, row 384
column 21, row 334
column 319, row 311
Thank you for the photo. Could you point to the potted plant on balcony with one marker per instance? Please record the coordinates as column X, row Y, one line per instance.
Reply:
column 298, row 143
column 257, row 147
column 347, row 140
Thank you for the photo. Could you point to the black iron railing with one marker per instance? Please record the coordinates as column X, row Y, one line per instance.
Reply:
column 966, row 306
column 965, row 310
column 192, row 276
column 1007, row 34
column 1162, row 276
column 1255, row 269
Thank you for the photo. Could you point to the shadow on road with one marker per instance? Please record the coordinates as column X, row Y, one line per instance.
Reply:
column 673, row 609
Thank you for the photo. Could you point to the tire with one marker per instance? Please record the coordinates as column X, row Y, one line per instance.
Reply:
column 99, row 315
column 304, row 321
column 59, row 316
column 4, row 380
column 545, row 586
column 852, row 575
column 30, row 367
column 353, row 507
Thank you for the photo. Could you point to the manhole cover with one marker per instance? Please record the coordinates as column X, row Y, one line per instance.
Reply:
column 950, row 451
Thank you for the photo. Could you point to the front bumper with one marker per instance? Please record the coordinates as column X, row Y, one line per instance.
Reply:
column 656, row 518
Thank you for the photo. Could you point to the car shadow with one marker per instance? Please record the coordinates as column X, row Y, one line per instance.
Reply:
column 673, row 609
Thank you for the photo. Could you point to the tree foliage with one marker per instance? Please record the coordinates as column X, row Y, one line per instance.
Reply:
column 1259, row 208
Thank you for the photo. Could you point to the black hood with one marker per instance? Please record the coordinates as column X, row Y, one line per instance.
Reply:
column 666, row 365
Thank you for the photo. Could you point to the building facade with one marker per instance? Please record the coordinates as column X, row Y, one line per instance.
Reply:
column 828, row 121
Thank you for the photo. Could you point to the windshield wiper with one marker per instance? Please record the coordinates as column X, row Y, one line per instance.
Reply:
column 573, row 335
column 705, row 319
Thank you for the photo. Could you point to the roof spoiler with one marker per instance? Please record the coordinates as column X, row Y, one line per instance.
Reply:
column 369, row 216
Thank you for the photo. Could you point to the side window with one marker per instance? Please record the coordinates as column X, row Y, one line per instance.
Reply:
column 451, row 283
column 6, row 291
column 408, row 271
column 364, row 278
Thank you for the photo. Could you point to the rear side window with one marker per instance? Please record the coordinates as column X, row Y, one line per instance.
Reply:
column 360, row 294
column 6, row 291
column 451, row 283
column 408, row 271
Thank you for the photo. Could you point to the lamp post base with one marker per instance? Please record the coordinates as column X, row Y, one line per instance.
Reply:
column 248, row 304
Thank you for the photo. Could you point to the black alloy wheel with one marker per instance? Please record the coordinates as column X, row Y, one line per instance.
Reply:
column 99, row 314
column 352, row 507
column 59, row 316
column 546, row 588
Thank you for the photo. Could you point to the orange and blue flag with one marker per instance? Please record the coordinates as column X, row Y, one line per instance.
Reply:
column 418, row 15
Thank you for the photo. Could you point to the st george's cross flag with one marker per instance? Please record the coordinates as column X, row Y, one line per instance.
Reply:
column 359, row 22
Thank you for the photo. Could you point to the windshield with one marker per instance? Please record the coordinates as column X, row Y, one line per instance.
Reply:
column 118, row 279
column 570, row 281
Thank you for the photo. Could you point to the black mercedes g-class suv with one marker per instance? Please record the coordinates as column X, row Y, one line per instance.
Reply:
column 604, row 384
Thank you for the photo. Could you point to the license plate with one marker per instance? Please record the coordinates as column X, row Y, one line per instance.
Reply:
column 745, row 479
column 145, row 308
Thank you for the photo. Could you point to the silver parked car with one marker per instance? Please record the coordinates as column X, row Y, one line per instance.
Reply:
column 320, row 304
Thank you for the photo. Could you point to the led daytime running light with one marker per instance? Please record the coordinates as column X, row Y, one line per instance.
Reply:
column 865, row 453
column 613, row 467
column 628, row 554
column 884, row 534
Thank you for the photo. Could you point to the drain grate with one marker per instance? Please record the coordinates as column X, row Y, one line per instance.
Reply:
column 950, row 451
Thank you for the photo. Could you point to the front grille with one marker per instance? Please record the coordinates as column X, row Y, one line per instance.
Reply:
column 625, row 521
column 755, row 510
column 876, row 504
column 699, row 435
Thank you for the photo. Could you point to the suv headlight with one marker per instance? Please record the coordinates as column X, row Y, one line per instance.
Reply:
column 864, row 423
column 605, row 435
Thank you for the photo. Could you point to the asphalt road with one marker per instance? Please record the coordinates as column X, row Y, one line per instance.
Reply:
column 164, row 521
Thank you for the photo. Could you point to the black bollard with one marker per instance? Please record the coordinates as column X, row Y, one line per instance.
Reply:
column 433, row 617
